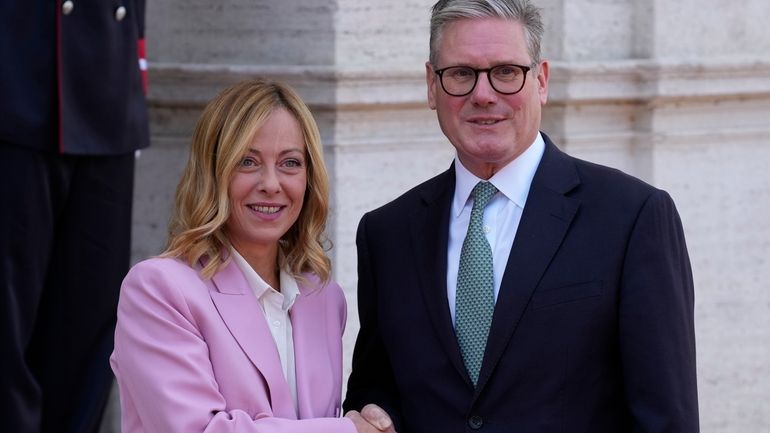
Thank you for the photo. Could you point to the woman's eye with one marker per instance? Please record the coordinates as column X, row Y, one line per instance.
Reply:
column 292, row 163
column 248, row 162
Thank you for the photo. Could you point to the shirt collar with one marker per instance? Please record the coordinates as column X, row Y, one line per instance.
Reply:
column 513, row 180
column 289, row 287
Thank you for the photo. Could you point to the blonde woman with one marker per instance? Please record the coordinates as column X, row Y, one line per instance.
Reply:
column 237, row 326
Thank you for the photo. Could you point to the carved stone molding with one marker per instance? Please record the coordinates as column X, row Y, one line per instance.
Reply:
column 571, row 83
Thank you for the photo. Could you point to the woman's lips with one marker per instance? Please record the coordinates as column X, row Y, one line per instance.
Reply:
column 266, row 211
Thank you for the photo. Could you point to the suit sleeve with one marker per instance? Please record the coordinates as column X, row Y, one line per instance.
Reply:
column 371, row 379
column 162, row 362
column 657, row 338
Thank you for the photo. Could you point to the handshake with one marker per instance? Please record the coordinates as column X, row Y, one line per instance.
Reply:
column 371, row 419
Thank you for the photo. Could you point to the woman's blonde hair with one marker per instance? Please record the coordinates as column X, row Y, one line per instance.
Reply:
column 221, row 138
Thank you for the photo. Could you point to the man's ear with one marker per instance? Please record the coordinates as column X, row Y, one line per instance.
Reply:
column 543, row 72
column 432, row 80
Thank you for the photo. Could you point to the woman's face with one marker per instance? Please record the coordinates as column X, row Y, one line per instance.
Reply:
column 267, row 189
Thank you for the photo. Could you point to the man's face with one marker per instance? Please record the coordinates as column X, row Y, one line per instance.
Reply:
column 488, row 129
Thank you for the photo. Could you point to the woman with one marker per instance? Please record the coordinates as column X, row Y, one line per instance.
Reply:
column 237, row 327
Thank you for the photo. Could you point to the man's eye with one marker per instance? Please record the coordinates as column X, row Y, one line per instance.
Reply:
column 461, row 73
column 506, row 72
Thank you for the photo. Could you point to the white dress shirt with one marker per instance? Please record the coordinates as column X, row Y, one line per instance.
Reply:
column 276, row 305
column 501, row 215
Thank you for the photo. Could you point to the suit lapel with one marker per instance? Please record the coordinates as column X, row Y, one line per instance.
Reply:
column 547, row 215
column 430, row 231
column 241, row 313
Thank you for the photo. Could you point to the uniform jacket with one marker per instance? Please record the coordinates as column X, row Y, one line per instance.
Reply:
column 592, row 330
column 71, row 82
column 194, row 355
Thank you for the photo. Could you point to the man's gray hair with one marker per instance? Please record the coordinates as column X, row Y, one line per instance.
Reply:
column 523, row 11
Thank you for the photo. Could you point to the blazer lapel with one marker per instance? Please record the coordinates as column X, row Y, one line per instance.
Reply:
column 430, row 231
column 240, row 310
column 547, row 215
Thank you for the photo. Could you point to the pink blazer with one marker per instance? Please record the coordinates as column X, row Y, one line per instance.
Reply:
column 194, row 355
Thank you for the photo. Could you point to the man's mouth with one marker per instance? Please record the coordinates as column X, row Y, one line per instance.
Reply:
column 485, row 122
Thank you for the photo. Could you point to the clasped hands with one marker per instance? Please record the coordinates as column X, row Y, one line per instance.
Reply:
column 371, row 419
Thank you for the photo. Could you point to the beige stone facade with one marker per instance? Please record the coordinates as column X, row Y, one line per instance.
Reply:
column 677, row 93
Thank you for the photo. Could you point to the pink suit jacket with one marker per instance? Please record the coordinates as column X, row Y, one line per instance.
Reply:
column 195, row 355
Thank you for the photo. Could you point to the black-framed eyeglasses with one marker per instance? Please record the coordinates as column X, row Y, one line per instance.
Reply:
column 461, row 80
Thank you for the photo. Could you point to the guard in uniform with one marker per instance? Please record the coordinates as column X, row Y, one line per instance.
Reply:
column 72, row 115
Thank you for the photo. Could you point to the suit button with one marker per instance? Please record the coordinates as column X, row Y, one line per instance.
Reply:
column 120, row 13
column 67, row 7
column 475, row 422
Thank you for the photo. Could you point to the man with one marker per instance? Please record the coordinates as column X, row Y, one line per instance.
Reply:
column 72, row 115
column 522, row 290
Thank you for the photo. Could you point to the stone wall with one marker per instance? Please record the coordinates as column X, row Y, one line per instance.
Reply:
column 677, row 93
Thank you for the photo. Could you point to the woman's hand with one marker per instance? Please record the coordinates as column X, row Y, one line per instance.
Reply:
column 371, row 419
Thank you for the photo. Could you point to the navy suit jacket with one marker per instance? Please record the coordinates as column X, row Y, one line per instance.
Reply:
column 71, row 83
column 592, row 330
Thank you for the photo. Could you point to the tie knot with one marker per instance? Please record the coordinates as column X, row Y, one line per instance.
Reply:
column 482, row 192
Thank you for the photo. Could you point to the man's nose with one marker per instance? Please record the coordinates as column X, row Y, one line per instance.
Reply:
column 483, row 93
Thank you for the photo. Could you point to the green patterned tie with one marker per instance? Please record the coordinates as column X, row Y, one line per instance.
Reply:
column 475, row 300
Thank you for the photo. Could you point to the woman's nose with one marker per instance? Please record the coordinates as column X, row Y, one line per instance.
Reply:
column 268, row 181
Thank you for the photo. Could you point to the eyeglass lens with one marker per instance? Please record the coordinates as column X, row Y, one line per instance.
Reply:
column 461, row 80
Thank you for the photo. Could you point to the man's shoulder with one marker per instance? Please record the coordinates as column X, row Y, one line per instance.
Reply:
column 605, row 180
column 607, row 176
column 592, row 183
